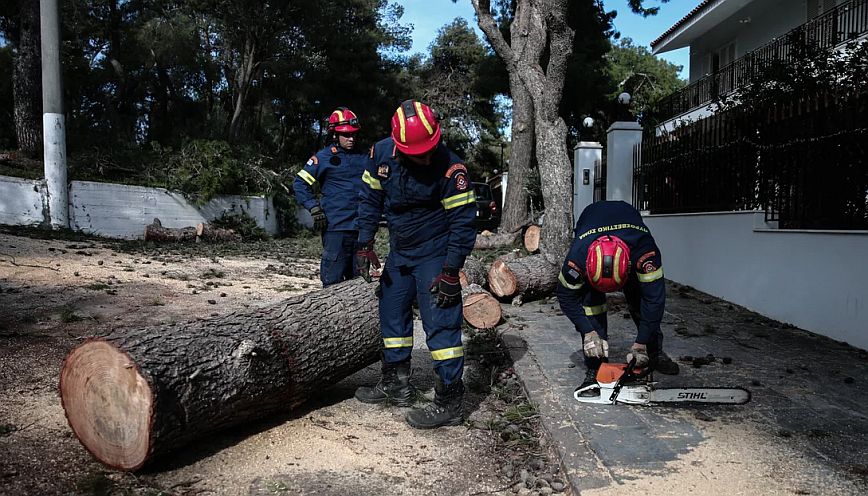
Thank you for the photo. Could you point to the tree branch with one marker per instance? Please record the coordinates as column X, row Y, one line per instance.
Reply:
column 489, row 27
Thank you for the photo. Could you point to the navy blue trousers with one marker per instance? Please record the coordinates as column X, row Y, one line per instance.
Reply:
column 338, row 257
column 400, row 286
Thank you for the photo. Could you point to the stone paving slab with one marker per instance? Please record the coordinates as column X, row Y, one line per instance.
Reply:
column 810, row 394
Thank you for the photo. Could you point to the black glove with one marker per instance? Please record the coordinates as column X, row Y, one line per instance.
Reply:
column 319, row 219
column 447, row 287
column 365, row 258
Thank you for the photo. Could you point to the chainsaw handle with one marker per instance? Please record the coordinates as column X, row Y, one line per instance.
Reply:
column 628, row 374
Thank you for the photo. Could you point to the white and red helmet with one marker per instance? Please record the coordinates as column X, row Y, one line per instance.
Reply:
column 343, row 120
column 608, row 263
column 415, row 128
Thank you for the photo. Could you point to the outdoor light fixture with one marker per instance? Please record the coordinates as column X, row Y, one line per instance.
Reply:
column 746, row 20
column 624, row 98
column 588, row 122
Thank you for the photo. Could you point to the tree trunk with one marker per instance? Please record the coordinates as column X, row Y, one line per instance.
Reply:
column 514, row 214
column 27, row 81
column 495, row 240
column 134, row 395
column 531, row 239
column 528, row 276
column 474, row 272
column 208, row 232
column 556, row 179
column 156, row 232
column 481, row 310
column 244, row 76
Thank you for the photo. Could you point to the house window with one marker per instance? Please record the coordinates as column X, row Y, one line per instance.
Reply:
column 725, row 55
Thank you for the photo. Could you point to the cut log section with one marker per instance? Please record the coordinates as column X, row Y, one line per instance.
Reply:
column 156, row 232
column 531, row 239
column 134, row 395
column 527, row 276
column 208, row 232
column 474, row 272
column 495, row 241
column 481, row 310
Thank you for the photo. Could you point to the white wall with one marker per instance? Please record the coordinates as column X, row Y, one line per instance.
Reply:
column 21, row 201
column 121, row 211
column 815, row 280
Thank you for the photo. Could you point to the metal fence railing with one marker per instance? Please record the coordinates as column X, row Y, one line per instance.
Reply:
column 803, row 161
column 838, row 25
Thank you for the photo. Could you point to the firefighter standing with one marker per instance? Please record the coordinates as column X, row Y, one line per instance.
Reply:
column 429, row 203
column 613, row 250
column 335, row 175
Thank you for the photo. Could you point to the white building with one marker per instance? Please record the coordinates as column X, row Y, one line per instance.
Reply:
column 723, row 36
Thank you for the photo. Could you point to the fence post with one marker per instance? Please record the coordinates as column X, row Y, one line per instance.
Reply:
column 586, row 155
column 622, row 138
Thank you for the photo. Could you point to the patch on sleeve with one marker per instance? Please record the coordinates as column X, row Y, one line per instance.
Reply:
column 648, row 267
column 334, row 149
column 461, row 181
column 383, row 170
column 455, row 168
column 642, row 260
column 313, row 160
column 574, row 270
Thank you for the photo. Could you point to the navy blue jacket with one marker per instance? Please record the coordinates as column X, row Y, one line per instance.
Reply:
column 622, row 220
column 430, row 209
column 336, row 175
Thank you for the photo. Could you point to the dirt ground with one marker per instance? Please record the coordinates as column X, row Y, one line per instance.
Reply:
column 56, row 292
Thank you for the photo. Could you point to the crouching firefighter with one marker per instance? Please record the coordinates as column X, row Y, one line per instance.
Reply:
column 429, row 204
column 328, row 186
column 613, row 250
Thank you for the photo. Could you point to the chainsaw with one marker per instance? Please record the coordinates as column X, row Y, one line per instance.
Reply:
column 623, row 383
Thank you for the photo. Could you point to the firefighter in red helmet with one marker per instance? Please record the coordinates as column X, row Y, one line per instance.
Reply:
column 328, row 186
column 425, row 192
column 613, row 250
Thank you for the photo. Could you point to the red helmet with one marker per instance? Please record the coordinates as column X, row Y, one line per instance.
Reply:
column 343, row 120
column 608, row 263
column 415, row 128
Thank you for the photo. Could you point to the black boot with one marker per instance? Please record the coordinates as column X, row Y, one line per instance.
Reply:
column 590, row 380
column 447, row 408
column 665, row 365
column 394, row 386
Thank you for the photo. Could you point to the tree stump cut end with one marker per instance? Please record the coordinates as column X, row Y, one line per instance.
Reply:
column 108, row 404
column 482, row 311
column 501, row 280
column 531, row 239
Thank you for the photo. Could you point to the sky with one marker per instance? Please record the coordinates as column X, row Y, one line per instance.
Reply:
column 427, row 16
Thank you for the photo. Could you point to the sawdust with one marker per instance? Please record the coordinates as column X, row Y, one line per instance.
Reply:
column 736, row 459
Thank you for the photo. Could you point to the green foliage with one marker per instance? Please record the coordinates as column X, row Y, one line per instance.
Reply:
column 243, row 224
column 645, row 77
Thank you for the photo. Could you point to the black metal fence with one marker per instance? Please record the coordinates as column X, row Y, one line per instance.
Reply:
column 600, row 179
column 805, row 162
column 840, row 24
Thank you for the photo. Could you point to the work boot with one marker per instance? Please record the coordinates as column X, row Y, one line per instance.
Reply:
column 447, row 408
column 590, row 380
column 666, row 365
column 394, row 386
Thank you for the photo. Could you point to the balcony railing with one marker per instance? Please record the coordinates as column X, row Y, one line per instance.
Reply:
column 843, row 23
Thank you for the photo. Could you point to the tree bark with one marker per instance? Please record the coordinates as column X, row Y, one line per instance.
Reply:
column 134, row 395
column 27, row 81
column 481, row 310
column 156, row 232
column 208, row 232
column 474, row 272
column 528, row 276
column 495, row 240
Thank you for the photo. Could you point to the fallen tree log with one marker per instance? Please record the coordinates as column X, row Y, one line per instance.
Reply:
column 156, row 232
column 474, row 272
column 527, row 276
column 531, row 239
column 134, row 395
column 495, row 240
column 481, row 310
column 208, row 232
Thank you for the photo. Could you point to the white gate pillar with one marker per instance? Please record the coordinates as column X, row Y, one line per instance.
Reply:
column 586, row 155
column 623, row 136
